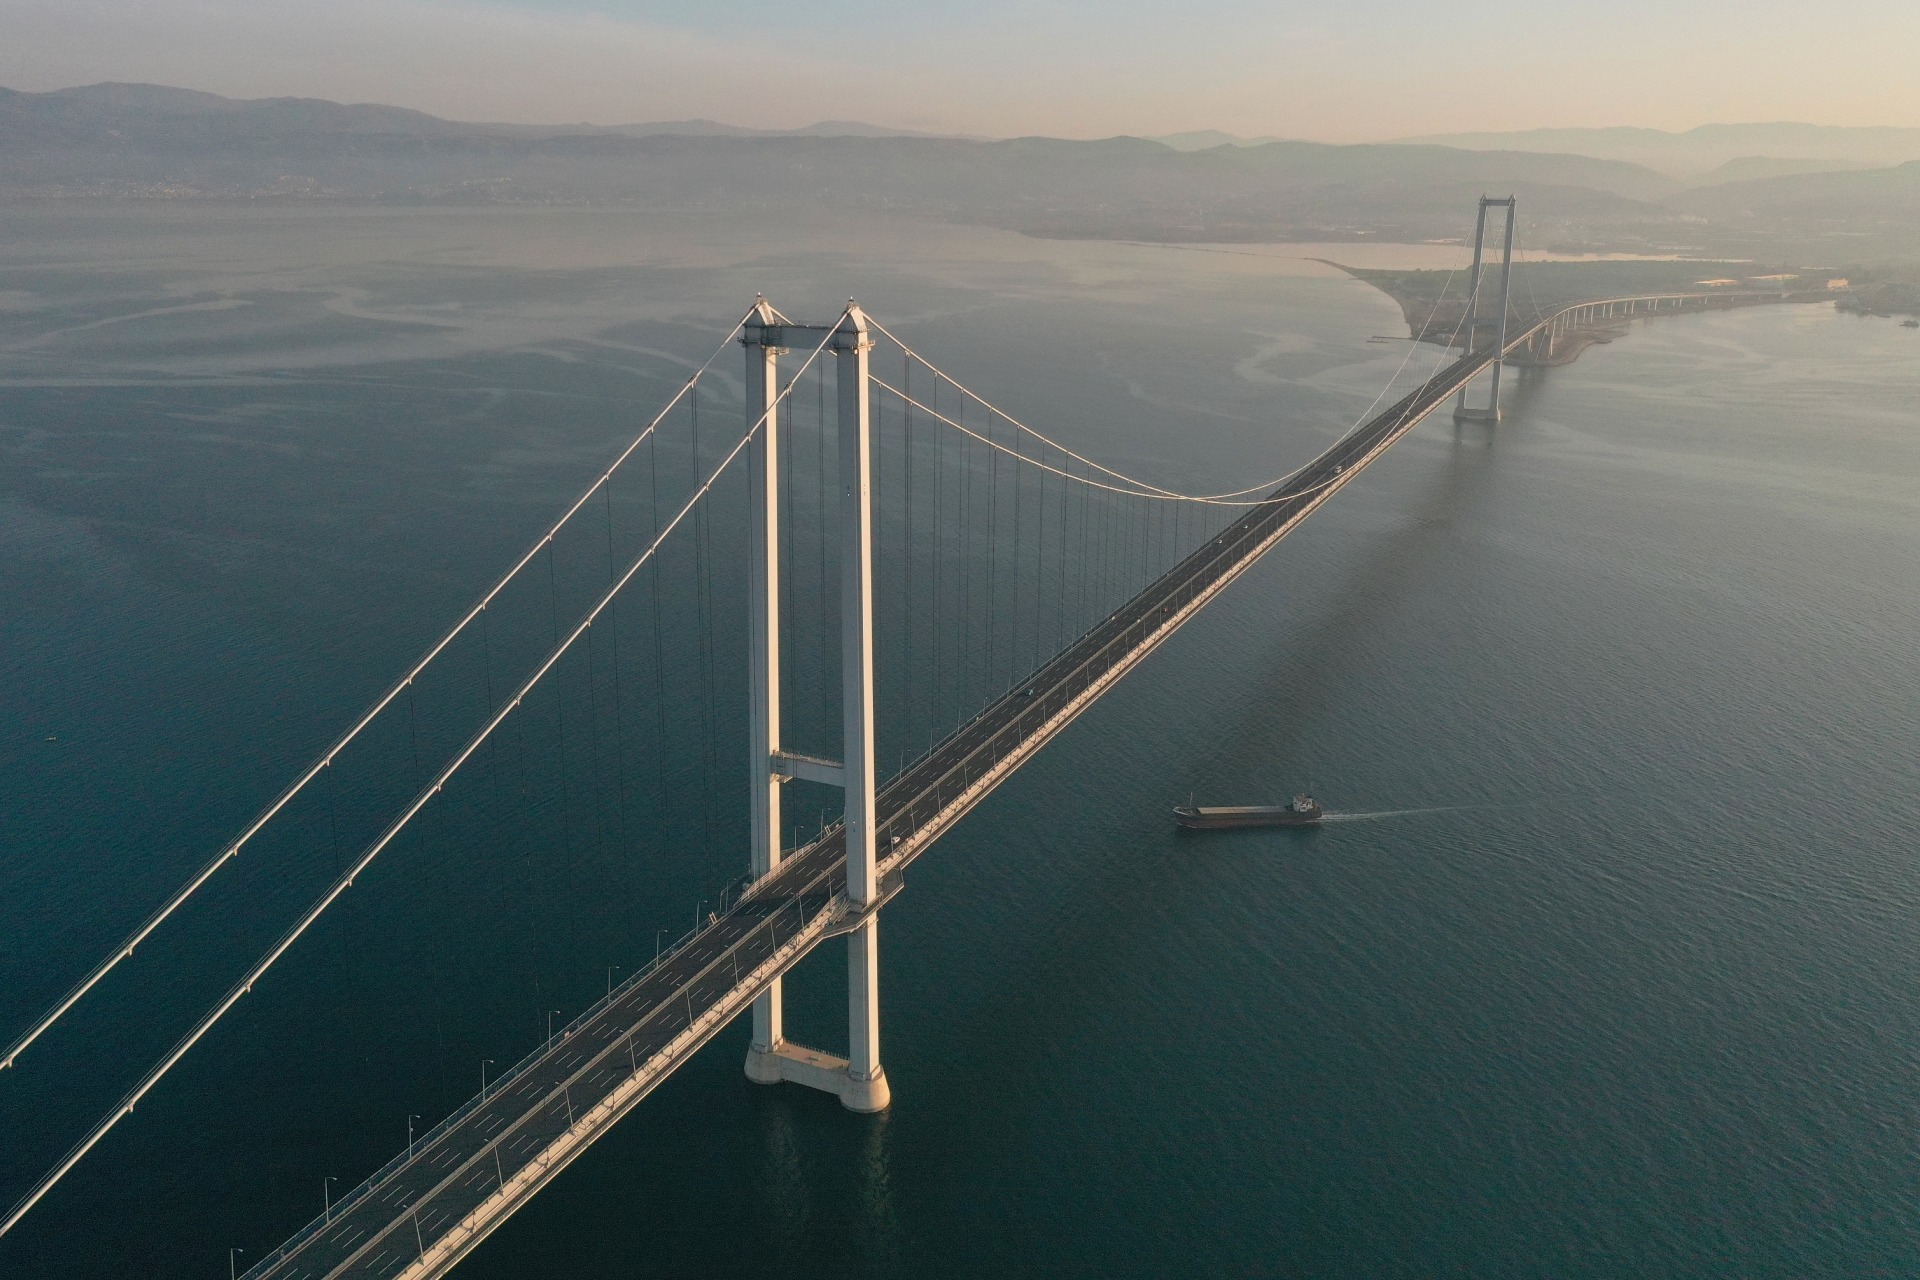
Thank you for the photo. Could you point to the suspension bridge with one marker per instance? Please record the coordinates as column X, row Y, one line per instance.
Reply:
column 923, row 575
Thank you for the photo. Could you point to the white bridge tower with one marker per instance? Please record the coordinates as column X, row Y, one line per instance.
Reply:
column 1461, row 413
column 858, row 1079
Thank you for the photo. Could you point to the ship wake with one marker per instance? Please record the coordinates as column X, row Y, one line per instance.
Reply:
column 1374, row 814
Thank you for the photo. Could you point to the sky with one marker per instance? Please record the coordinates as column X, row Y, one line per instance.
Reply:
column 1334, row 70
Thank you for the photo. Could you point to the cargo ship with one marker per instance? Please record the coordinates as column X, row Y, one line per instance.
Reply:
column 1302, row 811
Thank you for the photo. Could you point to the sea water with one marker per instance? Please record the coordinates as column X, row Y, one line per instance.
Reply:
column 1617, row 977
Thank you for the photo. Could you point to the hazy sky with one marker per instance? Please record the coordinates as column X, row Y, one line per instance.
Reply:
column 1341, row 70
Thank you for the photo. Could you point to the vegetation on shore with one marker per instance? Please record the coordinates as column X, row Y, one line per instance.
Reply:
column 1884, row 291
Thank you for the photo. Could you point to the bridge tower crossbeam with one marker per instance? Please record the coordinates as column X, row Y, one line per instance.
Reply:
column 858, row 1080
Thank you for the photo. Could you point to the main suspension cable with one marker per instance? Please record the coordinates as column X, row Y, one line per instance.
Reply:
column 1148, row 492
column 325, row 760
column 1146, row 488
column 260, row 968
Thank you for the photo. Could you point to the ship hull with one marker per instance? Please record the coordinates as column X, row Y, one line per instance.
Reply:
column 1203, row 819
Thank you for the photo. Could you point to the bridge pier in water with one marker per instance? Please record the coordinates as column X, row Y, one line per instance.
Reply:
column 1461, row 412
column 859, row 1080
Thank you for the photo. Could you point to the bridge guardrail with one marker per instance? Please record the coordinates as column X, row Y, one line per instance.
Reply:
column 373, row 1180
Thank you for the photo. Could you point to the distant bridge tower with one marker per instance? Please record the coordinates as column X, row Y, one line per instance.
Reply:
column 858, row 1079
column 1461, row 413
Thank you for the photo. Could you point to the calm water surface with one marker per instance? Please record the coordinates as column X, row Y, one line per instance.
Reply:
column 1611, row 971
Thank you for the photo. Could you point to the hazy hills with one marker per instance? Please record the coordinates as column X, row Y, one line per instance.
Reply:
column 1858, row 199
column 1698, row 153
column 135, row 138
column 1203, row 139
column 152, row 111
column 144, row 141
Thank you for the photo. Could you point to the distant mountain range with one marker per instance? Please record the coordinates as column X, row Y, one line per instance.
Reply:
column 112, row 105
column 1203, row 139
column 1715, row 152
column 1860, row 199
column 147, row 141
column 714, row 129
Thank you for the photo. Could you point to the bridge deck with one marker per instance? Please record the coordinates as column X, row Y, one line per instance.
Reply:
column 427, row 1208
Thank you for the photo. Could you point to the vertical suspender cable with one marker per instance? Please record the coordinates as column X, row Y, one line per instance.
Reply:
column 566, row 793
column 660, row 754
column 619, row 706
column 907, row 610
column 593, row 747
column 1061, row 623
column 1019, row 539
column 937, row 641
column 1040, row 554
column 821, row 507
column 993, row 557
column 964, row 669
column 703, row 617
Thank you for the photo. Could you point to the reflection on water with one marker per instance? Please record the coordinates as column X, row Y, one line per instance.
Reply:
column 784, row 1187
column 879, row 1243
